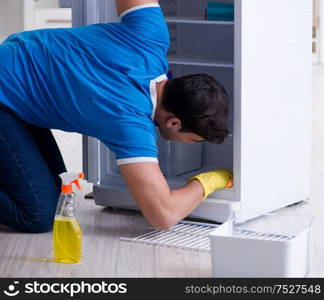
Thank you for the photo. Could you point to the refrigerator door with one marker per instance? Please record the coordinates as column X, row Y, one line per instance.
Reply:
column 273, row 71
column 85, row 12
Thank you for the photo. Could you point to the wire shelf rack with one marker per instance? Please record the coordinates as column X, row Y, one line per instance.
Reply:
column 194, row 236
column 249, row 234
column 185, row 235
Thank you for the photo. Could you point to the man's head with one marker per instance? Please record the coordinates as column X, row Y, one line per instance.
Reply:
column 193, row 108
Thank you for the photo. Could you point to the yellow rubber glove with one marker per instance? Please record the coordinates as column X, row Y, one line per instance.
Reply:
column 214, row 180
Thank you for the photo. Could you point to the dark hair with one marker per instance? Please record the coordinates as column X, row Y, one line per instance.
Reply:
column 201, row 103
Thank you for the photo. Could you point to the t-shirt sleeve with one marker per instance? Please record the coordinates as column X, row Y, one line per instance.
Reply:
column 133, row 142
column 147, row 22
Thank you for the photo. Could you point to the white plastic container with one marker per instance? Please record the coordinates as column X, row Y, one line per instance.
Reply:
column 270, row 246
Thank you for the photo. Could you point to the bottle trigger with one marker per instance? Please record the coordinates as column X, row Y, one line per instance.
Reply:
column 77, row 183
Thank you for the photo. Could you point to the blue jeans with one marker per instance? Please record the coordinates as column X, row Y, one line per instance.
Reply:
column 30, row 162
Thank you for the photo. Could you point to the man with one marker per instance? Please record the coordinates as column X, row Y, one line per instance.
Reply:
column 107, row 81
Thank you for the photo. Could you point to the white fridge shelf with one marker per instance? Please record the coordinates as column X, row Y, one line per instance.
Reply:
column 184, row 20
column 180, row 60
column 185, row 235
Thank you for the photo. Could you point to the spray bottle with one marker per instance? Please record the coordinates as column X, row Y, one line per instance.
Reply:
column 67, row 234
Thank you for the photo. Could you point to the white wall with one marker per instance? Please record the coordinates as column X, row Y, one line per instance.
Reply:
column 70, row 145
column 46, row 3
column 11, row 17
column 12, row 20
column 321, row 14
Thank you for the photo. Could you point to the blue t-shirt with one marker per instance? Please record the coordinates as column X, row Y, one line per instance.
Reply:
column 97, row 80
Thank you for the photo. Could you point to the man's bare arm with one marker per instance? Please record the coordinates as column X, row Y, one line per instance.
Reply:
column 160, row 206
column 123, row 5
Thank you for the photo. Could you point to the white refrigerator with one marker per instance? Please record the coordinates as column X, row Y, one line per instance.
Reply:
column 263, row 58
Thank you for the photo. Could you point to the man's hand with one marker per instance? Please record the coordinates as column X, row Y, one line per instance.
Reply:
column 123, row 5
column 214, row 180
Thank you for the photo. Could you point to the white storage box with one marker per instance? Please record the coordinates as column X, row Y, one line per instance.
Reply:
column 270, row 246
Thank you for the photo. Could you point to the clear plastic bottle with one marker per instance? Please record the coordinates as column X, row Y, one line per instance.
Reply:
column 67, row 234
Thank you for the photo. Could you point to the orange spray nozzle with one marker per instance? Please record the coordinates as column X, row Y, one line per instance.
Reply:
column 68, row 179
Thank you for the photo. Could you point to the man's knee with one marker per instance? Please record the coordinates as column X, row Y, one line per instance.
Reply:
column 42, row 219
column 39, row 225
